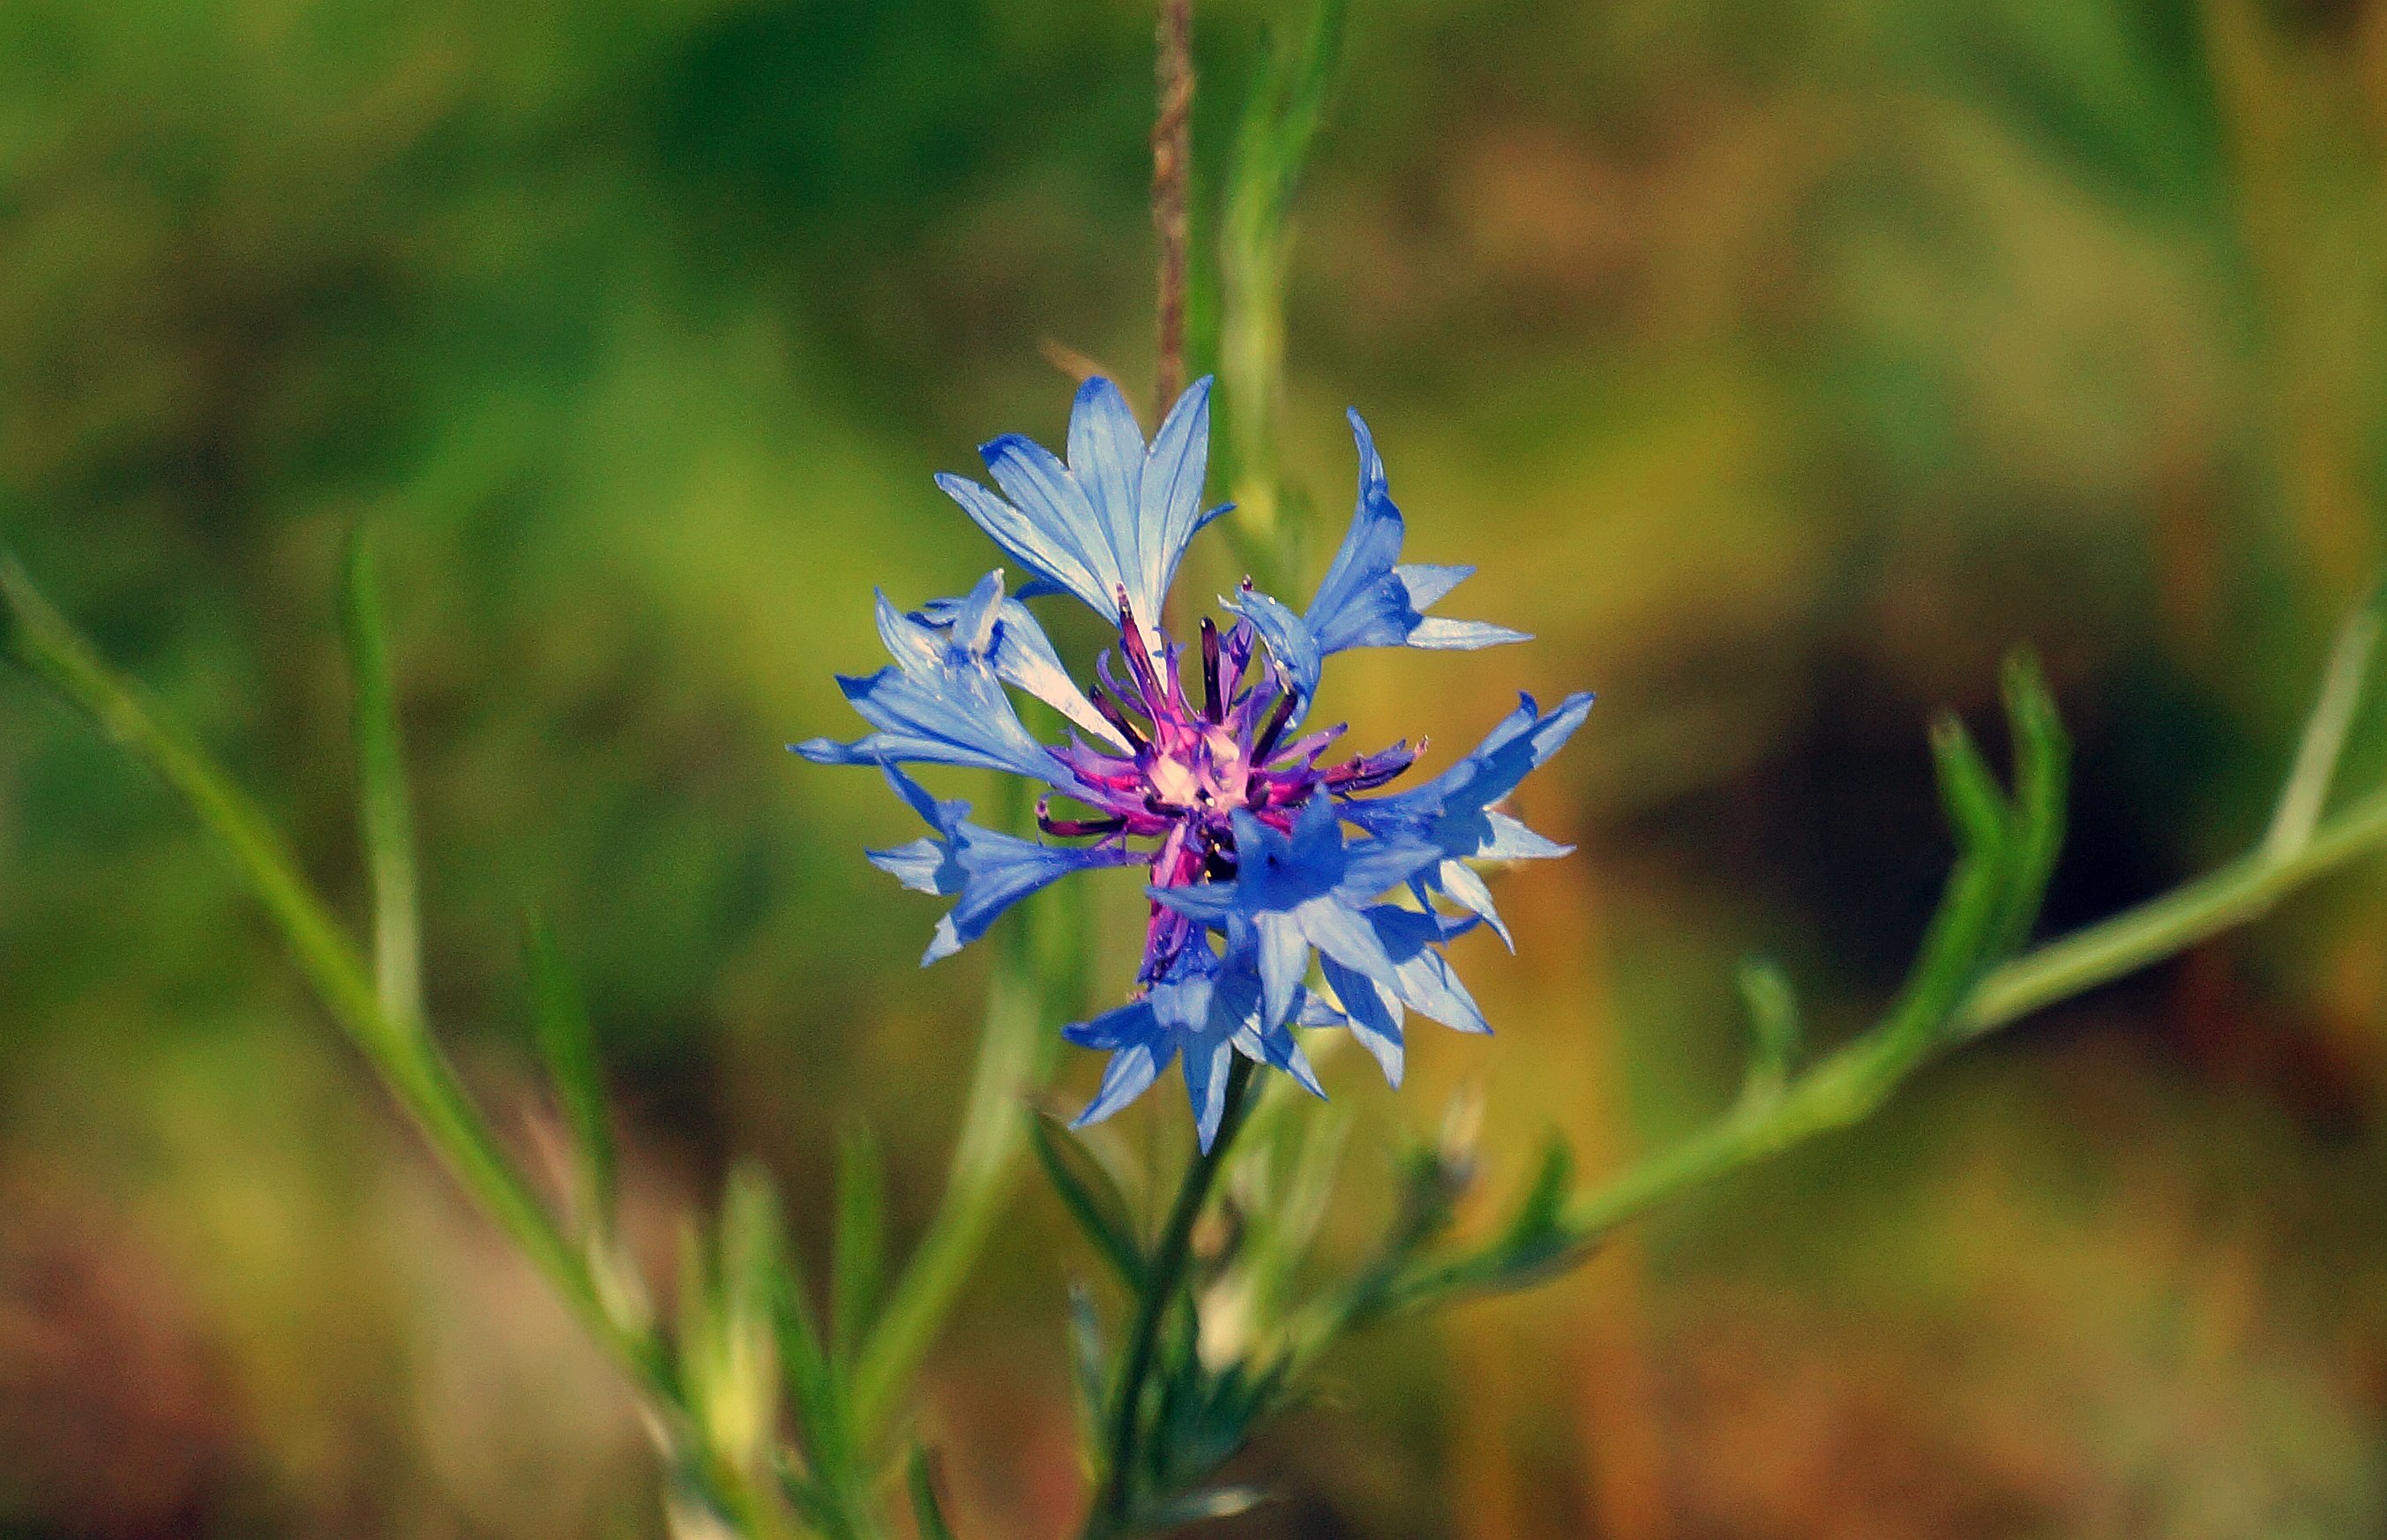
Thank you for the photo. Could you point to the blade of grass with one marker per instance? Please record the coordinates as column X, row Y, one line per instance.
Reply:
column 386, row 812
column 857, row 1246
column 568, row 1047
column 1035, row 962
column 409, row 1063
column 1272, row 143
column 2306, row 790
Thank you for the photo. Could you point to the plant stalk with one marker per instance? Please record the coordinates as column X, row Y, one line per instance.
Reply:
column 1114, row 1505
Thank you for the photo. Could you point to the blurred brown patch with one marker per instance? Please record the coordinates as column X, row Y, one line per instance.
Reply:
column 112, row 1419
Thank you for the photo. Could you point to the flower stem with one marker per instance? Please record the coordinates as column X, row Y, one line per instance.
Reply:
column 1115, row 1503
column 1172, row 158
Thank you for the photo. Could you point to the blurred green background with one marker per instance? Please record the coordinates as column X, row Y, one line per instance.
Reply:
column 1780, row 363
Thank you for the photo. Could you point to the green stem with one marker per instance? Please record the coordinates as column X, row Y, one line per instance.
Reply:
column 1852, row 1082
column 1014, row 1053
column 399, row 1050
column 1114, row 1504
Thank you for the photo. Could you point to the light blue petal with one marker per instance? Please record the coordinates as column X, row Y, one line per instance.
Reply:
column 1512, row 840
column 1427, row 585
column 1459, row 882
column 1131, row 1072
column 1422, row 977
column 1107, row 460
column 989, row 871
column 1041, row 487
column 1169, row 511
column 948, row 716
column 1436, row 634
column 1339, row 932
column 1050, row 549
column 915, row 865
column 1289, row 641
column 1206, row 1085
column 1024, row 657
column 1283, row 956
column 1374, row 1014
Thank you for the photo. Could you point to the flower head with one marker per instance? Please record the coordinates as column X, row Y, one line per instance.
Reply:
column 1265, row 851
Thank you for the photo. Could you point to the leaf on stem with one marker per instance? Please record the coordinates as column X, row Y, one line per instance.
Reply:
column 2323, row 742
column 386, row 814
column 1774, row 1024
column 1092, row 1196
column 567, row 1046
column 927, row 1509
column 2043, row 753
column 858, row 1249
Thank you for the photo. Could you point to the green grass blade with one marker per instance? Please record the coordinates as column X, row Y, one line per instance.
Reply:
column 2043, row 773
column 1092, row 1199
column 1280, row 123
column 2306, row 792
column 386, row 812
column 928, row 1509
column 857, row 1250
column 1774, row 1024
column 410, row 1065
column 567, row 1045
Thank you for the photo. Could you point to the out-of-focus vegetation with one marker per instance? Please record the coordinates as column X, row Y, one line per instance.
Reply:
column 1778, row 364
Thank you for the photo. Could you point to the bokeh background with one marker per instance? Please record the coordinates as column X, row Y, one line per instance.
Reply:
column 1780, row 362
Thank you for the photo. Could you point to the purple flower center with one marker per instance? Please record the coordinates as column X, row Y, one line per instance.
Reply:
column 1191, row 766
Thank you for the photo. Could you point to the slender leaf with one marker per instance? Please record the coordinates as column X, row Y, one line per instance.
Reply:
column 2323, row 742
column 1774, row 1022
column 858, row 1248
column 386, row 812
column 567, row 1046
column 1092, row 1196
column 928, row 1511
column 2043, row 772
column 1087, row 1357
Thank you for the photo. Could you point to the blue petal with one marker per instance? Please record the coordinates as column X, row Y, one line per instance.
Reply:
column 1170, row 504
column 1023, row 656
column 1206, row 1084
column 989, row 871
column 1127, row 1076
column 1106, row 458
column 1374, row 1015
column 1117, row 516
column 1369, row 596
column 1453, row 810
column 941, row 704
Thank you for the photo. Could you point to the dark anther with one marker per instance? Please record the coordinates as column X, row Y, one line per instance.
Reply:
column 1213, row 708
column 1050, row 825
column 1139, row 659
column 1115, row 717
column 1265, row 744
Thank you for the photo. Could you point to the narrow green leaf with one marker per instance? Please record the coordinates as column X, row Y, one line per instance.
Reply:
column 567, row 1046
column 1531, row 1229
column 927, row 1512
column 386, row 814
column 1087, row 1356
column 858, row 1254
column 2323, row 742
column 411, row 1068
column 1774, row 1022
column 1280, row 121
column 1092, row 1196
column 1976, row 806
column 2042, row 771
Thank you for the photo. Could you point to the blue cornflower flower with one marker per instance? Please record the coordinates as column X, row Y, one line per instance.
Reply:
column 1255, row 868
